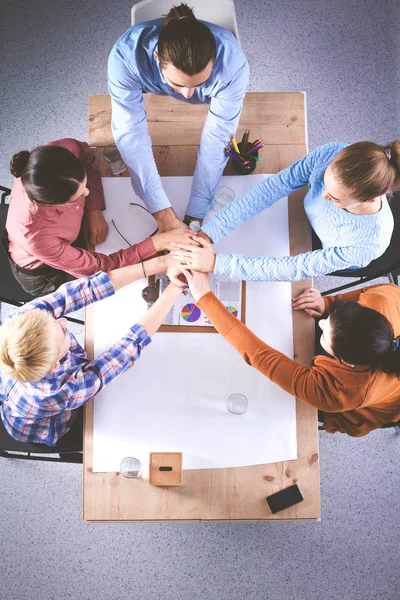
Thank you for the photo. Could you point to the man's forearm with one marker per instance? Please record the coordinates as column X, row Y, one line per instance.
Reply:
column 125, row 275
column 167, row 220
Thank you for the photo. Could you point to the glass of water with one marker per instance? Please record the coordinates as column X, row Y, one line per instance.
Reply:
column 222, row 197
column 130, row 467
column 237, row 404
column 113, row 157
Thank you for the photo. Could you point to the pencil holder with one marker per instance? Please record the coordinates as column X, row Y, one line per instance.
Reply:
column 245, row 169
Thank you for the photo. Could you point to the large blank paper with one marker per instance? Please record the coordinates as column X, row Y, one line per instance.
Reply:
column 174, row 398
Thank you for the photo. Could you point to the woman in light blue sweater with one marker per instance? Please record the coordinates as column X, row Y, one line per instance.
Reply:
column 345, row 204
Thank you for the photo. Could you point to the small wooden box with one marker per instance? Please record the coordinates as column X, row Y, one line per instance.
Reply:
column 165, row 468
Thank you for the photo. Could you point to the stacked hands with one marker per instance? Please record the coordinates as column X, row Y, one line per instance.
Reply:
column 192, row 258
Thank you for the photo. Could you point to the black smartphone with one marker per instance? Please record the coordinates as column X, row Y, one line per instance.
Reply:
column 284, row 498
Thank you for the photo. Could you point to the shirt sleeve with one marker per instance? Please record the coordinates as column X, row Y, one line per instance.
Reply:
column 72, row 296
column 131, row 134
column 79, row 262
column 261, row 196
column 353, row 296
column 294, row 268
column 95, row 200
column 314, row 386
column 221, row 122
column 87, row 382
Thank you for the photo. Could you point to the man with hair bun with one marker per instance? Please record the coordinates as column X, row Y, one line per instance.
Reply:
column 192, row 61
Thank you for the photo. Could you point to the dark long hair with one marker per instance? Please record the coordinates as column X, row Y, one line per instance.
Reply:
column 363, row 336
column 185, row 42
column 49, row 174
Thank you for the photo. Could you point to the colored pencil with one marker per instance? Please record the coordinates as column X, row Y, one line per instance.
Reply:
column 253, row 144
column 234, row 144
column 229, row 150
column 255, row 149
column 236, row 157
column 244, row 142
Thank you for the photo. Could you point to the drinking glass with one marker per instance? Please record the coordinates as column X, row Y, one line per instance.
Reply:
column 237, row 404
column 222, row 197
column 130, row 467
column 113, row 157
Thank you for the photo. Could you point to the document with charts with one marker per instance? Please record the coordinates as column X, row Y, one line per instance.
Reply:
column 187, row 315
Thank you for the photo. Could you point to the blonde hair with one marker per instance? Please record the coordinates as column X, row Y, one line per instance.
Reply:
column 368, row 170
column 28, row 347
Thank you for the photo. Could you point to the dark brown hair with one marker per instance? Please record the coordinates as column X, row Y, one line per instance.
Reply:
column 368, row 170
column 185, row 42
column 362, row 336
column 49, row 174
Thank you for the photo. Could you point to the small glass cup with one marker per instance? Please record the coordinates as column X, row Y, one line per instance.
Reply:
column 113, row 157
column 222, row 197
column 130, row 467
column 237, row 404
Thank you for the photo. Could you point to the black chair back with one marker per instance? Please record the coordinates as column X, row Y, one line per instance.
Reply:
column 386, row 265
column 10, row 292
column 68, row 448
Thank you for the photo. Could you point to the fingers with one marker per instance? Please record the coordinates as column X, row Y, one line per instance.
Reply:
column 312, row 313
column 307, row 294
column 203, row 243
column 188, row 274
column 181, row 255
column 181, row 245
column 195, row 241
column 305, row 305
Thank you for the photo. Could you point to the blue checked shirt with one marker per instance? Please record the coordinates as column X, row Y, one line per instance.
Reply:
column 39, row 412
column 132, row 70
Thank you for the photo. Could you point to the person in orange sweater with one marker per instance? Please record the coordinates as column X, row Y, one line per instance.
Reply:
column 357, row 383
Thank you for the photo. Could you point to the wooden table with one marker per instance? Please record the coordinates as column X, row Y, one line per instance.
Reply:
column 215, row 494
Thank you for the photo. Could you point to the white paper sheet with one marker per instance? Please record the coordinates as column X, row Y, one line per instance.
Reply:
column 174, row 398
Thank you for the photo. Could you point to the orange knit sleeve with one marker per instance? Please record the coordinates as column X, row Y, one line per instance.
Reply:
column 315, row 386
column 353, row 296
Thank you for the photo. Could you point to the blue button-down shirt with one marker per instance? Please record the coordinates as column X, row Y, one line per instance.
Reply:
column 39, row 412
column 132, row 69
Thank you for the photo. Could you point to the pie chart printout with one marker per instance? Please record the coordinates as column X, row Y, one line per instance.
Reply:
column 191, row 313
column 233, row 310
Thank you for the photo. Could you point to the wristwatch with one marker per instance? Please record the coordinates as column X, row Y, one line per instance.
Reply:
column 195, row 226
column 188, row 220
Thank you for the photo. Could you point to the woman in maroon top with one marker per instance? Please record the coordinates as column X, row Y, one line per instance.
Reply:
column 55, row 211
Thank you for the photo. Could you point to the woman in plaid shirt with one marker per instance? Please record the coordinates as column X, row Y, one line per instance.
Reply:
column 45, row 374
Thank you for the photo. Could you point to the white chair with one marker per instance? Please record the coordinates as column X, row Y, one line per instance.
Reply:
column 220, row 12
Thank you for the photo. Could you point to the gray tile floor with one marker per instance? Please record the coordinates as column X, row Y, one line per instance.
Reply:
column 344, row 54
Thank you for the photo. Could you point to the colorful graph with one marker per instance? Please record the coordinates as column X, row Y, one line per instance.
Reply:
column 233, row 310
column 191, row 313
